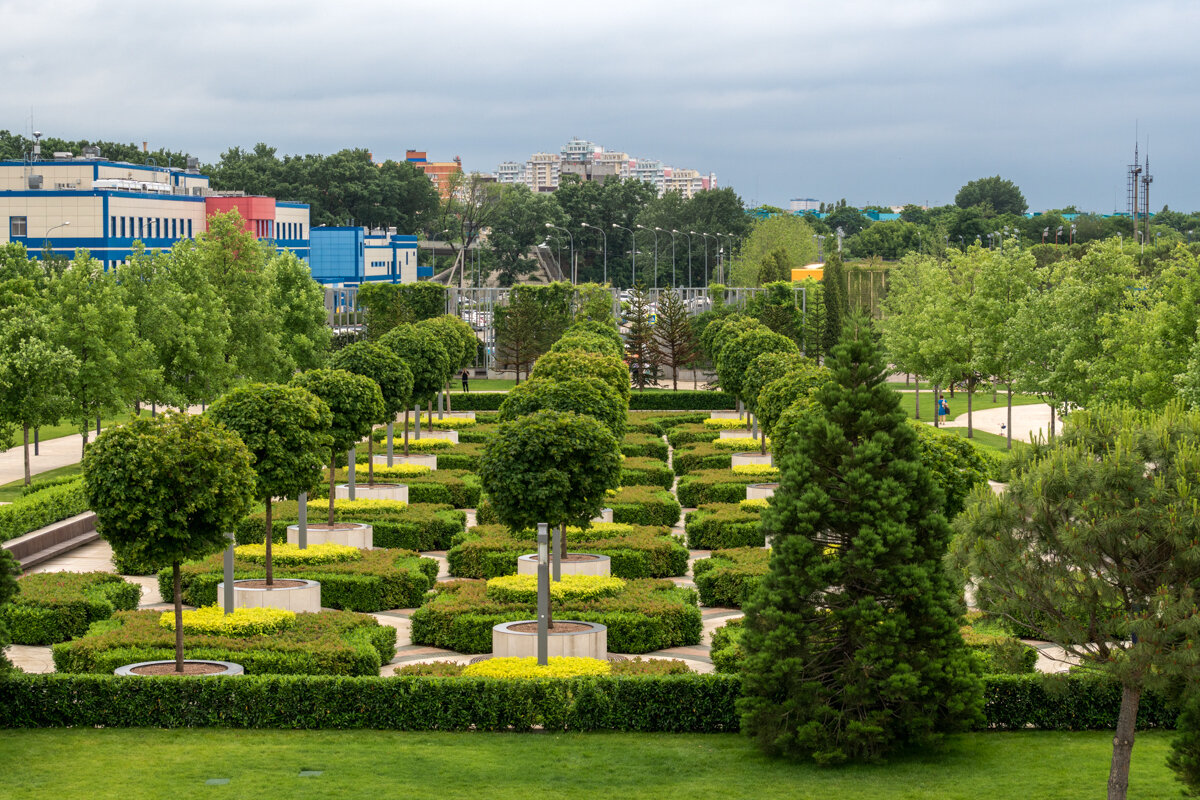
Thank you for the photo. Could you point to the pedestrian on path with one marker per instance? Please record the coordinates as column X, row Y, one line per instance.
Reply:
column 465, row 378
column 943, row 409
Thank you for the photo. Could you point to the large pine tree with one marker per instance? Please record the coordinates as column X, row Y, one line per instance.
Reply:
column 852, row 640
column 837, row 305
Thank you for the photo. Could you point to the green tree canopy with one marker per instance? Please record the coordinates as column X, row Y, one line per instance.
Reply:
column 588, row 396
column 426, row 356
column 10, row 570
column 390, row 304
column 737, row 355
column 574, row 364
column 299, row 303
column 765, row 368
column 588, row 343
column 1000, row 195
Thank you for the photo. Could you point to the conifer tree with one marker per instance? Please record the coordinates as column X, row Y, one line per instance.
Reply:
column 639, row 344
column 837, row 307
column 852, row 640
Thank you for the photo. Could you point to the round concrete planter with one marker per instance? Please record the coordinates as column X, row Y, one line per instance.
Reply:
column 380, row 491
column 301, row 599
column 419, row 460
column 761, row 491
column 605, row 515
column 741, row 459
column 726, row 415
column 595, row 565
column 590, row 643
column 449, row 436
column 361, row 535
column 742, row 433
column 229, row 668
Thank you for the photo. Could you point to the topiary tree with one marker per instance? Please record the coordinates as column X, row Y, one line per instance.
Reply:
column 852, row 639
column 588, row 343
column 9, row 570
column 391, row 375
column 765, row 368
column 286, row 430
column 575, row 364
column 422, row 350
column 797, row 384
column 737, row 355
column 550, row 466
column 461, row 345
column 166, row 490
column 588, row 396
column 355, row 402
column 956, row 465
column 607, row 329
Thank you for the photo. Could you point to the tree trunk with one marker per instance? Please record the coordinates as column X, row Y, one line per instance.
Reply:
column 1052, row 421
column 178, row 616
column 267, row 556
column 917, row 398
column 447, row 393
column 406, row 433
column 1118, row 774
column 970, row 397
column 371, row 457
column 1009, row 426
column 332, row 469
column 25, row 429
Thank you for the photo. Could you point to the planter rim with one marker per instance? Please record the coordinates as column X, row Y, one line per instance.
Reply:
column 593, row 627
column 307, row 585
column 230, row 668
column 325, row 526
column 595, row 557
column 769, row 454
column 764, row 485
column 369, row 486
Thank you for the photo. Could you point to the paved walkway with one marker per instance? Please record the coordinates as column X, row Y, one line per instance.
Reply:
column 53, row 454
column 1027, row 421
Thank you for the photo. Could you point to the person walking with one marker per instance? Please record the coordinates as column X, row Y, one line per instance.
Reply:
column 943, row 409
column 465, row 378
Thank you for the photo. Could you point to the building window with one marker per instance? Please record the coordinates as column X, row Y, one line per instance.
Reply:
column 112, row 226
column 189, row 229
column 18, row 226
column 122, row 227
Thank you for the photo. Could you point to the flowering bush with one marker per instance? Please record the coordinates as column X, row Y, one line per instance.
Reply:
column 556, row 667
column 756, row 469
column 286, row 555
column 242, row 622
column 715, row 424
column 739, row 444
column 523, row 588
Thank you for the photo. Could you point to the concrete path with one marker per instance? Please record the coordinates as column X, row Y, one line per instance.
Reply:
column 1028, row 421
column 53, row 454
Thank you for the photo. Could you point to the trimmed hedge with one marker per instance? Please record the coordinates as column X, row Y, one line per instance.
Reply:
column 671, row 703
column 463, row 456
column 419, row 526
column 644, row 445
column 455, row 487
column 715, row 526
column 714, row 486
column 682, row 400
column 41, row 508
column 325, row 643
column 642, row 505
column 488, row 551
column 478, row 401
column 646, row 472
column 648, row 615
column 687, row 433
column 726, row 652
column 380, row 580
column 55, row 606
column 729, row 577
column 696, row 456
column 659, row 422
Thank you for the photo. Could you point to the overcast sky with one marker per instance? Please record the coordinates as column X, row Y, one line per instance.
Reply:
column 878, row 102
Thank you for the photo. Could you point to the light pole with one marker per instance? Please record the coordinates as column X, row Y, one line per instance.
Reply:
column 1057, row 233
column 1045, row 233
column 655, row 232
column 1072, row 233
column 705, row 235
column 728, row 253
column 603, row 236
column 633, row 269
column 49, row 244
column 689, row 238
column 820, row 238
column 572, row 238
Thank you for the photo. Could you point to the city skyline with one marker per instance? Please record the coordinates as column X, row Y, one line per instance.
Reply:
column 879, row 103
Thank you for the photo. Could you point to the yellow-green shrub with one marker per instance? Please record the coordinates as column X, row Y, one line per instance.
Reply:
column 446, row 423
column 765, row 470
column 523, row 588
column 757, row 504
column 242, row 622
column 724, row 424
column 400, row 471
column 556, row 667
column 286, row 555
column 429, row 445
column 739, row 444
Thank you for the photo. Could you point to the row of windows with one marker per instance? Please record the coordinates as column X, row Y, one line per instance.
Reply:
column 149, row 228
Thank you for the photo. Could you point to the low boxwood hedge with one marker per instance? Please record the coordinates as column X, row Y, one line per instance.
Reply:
column 643, row 505
column 729, row 577
column 380, row 580
column 455, row 487
column 726, row 652
column 55, row 606
column 647, row 615
column 659, row 422
column 687, row 433
column 478, row 401
column 463, row 456
column 713, row 486
column 681, row 400
column 646, row 472
column 696, row 456
column 716, row 526
column 488, row 551
column 418, row 526
column 41, row 508
column 644, row 445
column 325, row 643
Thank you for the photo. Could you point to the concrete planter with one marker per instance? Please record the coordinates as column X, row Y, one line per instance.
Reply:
column 360, row 535
column 450, row 436
column 594, row 565
column 420, row 460
column 743, row 433
column 740, row 459
column 305, row 598
column 761, row 491
column 380, row 491
column 726, row 415
column 229, row 668
column 589, row 643
column 606, row 515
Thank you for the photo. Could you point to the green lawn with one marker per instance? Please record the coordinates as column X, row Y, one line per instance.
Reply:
column 11, row 491
column 988, row 441
column 958, row 403
column 112, row 763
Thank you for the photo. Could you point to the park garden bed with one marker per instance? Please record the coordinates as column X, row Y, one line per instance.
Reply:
column 658, row 423
column 729, row 577
column 325, row 643
column 646, row 472
column 646, row 615
column 644, row 505
column 55, row 606
column 419, row 526
column 714, row 486
column 645, row 445
column 377, row 581
column 715, row 526
column 456, row 487
column 679, row 435
column 488, row 551
column 42, row 507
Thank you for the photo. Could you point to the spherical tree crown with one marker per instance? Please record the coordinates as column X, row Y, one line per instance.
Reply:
column 372, row 360
column 588, row 343
column 576, row 364
column 354, row 400
column 421, row 348
column 588, row 396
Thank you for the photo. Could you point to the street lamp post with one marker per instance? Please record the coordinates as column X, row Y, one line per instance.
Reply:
column 728, row 252
column 1045, row 233
column 603, row 236
column 705, row 235
column 633, row 269
column 689, row 238
column 655, row 232
column 1072, row 233
column 49, row 243
column 572, row 238
column 673, row 284
column 1057, row 233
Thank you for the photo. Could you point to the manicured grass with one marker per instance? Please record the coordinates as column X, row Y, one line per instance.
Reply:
column 482, row 385
column 112, row 763
column 11, row 491
column 988, row 441
column 958, row 403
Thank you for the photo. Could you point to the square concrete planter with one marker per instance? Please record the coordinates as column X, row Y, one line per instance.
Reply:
column 741, row 459
column 416, row 459
column 572, row 564
column 591, row 641
column 380, row 491
column 726, row 415
column 303, row 596
column 353, row 534
column 761, row 491
column 742, row 433
column 449, row 436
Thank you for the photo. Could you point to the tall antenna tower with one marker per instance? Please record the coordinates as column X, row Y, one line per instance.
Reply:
column 1134, row 171
column 1147, row 179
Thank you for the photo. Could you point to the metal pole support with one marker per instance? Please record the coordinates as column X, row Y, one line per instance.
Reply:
column 389, row 432
column 228, row 592
column 417, row 408
column 302, row 538
column 350, row 471
column 543, row 601
column 559, row 536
